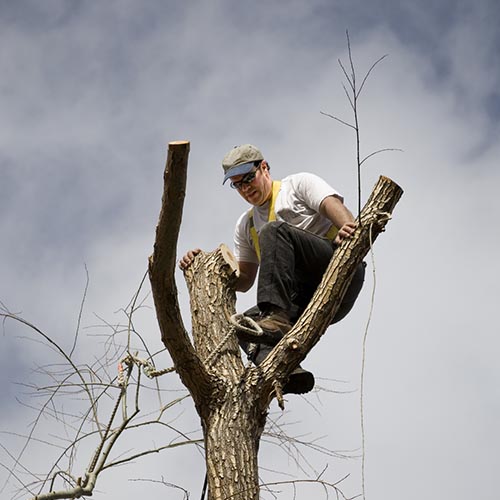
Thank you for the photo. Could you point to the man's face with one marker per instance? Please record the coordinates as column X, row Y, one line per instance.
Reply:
column 259, row 190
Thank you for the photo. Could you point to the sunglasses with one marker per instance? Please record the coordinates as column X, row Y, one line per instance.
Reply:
column 246, row 179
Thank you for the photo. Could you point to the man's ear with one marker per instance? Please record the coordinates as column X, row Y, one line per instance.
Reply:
column 265, row 166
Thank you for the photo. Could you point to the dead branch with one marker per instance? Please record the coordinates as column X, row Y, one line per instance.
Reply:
column 161, row 272
column 294, row 347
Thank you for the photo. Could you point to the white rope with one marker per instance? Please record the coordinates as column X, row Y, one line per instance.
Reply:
column 238, row 322
column 372, row 219
column 210, row 359
column 148, row 368
column 245, row 323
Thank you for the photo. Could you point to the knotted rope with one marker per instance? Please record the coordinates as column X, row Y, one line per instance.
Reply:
column 238, row 322
column 147, row 367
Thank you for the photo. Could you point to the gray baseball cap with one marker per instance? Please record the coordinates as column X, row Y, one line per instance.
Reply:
column 240, row 160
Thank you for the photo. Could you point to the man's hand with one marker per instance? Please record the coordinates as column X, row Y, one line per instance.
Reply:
column 187, row 260
column 345, row 232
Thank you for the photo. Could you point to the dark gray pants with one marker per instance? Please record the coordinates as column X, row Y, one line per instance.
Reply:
column 292, row 265
column 293, row 262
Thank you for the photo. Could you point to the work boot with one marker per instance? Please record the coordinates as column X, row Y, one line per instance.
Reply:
column 299, row 382
column 276, row 321
column 274, row 325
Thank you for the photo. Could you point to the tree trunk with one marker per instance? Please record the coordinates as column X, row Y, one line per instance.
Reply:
column 231, row 417
column 231, row 399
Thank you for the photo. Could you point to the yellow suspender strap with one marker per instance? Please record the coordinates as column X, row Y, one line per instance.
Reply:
column 253, row 234
column 271, row 216
column 332, row 232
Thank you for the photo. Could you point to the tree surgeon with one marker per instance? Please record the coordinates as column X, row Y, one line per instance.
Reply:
column 291, row 232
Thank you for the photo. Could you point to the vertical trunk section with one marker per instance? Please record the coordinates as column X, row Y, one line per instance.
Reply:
column 232, row 417
column 232, row 436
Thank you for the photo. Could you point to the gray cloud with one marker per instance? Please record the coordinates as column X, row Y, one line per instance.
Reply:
column 92, row 92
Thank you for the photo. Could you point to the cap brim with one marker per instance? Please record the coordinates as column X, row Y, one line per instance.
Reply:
column 238, row 170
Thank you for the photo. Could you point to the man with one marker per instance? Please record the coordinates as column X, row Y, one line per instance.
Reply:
column 290, row 233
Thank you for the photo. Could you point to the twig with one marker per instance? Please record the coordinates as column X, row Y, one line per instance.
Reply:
column 352, row 97
column 80, row 312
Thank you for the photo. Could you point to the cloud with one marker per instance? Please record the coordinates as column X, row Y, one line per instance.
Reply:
column 90, row 95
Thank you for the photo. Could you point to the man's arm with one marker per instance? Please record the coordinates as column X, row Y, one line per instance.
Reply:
column 341, row 217
column 248, row 272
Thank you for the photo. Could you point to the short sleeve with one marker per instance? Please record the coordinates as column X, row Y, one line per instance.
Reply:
column 243, row 246
column 312, row 189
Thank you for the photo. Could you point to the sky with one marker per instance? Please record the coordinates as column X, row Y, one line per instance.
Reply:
column 90, row 95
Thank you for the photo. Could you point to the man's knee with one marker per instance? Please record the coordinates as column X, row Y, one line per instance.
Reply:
column 351, row 293
column 269, row 229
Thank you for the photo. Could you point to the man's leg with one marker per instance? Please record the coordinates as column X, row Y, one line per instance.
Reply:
column 300, row 381
column 351, row 294
column 287, row 255
column 293, row 263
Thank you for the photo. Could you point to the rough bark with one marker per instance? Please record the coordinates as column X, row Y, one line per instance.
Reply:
column 162, row 263
column 231, row 417
column 231, row 399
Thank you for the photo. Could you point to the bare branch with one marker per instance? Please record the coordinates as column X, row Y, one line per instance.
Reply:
column 151, row 451
column 353, row 72
column 58, row 349
column 377, row 152
column 132, row 309
column 369, row 71
column 339, row 120
column 165, row 483
column 351, row 101
column 80, row 312
column 90, row 379
column 348, row 78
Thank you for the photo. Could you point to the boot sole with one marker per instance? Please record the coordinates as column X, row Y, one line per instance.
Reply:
column 300, row 382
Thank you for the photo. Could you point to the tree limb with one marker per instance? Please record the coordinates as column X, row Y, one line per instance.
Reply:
column 294, row 346
column 161, row 272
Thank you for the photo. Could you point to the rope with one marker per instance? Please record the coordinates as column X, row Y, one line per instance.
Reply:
column 237, row 323
column 372, row 219
column 210, row 358
column 148, row 368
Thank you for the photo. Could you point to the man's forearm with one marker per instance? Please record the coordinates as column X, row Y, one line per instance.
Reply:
column 246, row 278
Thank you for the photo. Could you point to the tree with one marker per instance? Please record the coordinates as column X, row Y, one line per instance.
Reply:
column 232, row 400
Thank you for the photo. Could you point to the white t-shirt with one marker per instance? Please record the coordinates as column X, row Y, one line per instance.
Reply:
column 297, row 203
